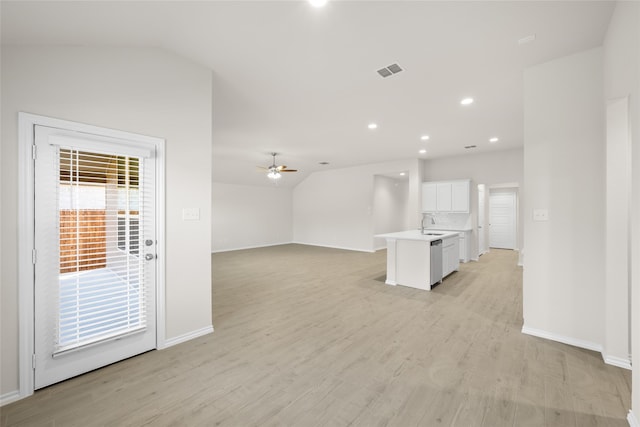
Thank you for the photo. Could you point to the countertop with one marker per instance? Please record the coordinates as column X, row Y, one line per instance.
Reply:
column 417, row 235
column 443, row 229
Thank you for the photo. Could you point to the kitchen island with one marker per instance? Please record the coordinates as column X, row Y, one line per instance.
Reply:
column 409, row 257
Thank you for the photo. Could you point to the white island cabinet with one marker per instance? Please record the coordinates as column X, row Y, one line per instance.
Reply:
column 450, row 254
column 409, row 257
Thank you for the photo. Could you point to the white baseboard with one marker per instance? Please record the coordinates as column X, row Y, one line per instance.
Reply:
column 242, row 248
column 609, row 360
column 620, row 362
column 561, row 338
column 186, row 337
column 334, row 247
column 632, row 420
column 10, row 397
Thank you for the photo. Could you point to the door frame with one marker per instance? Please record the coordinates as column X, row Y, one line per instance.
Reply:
column 506, row 187
column 26, row 232
column 483, row 249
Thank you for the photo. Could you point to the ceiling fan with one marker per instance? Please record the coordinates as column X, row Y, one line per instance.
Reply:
column 273, row 171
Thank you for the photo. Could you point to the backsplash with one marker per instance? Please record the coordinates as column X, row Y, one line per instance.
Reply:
column 448, row 220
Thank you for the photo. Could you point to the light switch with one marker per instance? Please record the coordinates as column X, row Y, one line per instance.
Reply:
column 191, row 214
column 541, row 215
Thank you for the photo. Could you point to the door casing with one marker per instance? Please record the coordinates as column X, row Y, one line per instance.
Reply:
column 26, row 232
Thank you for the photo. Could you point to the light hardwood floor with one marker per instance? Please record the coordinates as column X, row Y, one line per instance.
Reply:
column 309, row 336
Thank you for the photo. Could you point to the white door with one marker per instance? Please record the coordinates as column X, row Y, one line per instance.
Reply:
column 95, row 239
column 502, row 221
column 481, row 221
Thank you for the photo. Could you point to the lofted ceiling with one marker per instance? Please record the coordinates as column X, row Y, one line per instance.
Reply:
column 302, row 81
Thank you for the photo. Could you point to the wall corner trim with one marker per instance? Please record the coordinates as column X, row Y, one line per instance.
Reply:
column 561, row 338
column 632, row 420
column 10, row 397
column 620, row 362
column 186, row 337
column 242, row 248
column 345, row 248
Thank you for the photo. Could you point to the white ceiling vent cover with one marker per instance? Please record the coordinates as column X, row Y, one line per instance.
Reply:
column 389, row 70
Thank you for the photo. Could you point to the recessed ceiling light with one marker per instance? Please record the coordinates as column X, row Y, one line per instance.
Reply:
column 494, row 139
column 467, row 101
column 402, row 174
column 372, row 126
column 318, row 3
column 424, row 137
column 423, row 151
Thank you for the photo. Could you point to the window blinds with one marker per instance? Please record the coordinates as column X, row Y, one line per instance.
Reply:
column 100, row 290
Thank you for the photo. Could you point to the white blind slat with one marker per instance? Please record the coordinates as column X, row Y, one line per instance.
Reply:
column 100, row 223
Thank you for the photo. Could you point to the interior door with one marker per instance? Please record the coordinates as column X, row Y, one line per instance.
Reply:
column 502, row 222
column 95, row 238
column 482, row 246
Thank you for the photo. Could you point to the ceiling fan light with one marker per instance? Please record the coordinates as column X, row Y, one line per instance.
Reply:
column 274, row 174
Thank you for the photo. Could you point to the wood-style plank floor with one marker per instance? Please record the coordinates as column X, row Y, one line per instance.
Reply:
column 309, row 336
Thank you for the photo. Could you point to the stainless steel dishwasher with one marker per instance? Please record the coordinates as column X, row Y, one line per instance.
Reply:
column 436, row 262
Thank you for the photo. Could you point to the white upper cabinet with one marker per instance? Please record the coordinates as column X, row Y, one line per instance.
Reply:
column 446, row 196
column 429, row 194
column 443, row 199
column 460, row 196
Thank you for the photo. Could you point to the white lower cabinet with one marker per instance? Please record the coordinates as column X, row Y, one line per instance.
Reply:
column 463, row 248
column 464, row 243
column 450, row 255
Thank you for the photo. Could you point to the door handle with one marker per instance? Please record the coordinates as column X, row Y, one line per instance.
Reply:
column 149, row 257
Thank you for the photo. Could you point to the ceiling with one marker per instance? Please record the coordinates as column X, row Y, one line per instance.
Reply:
column 302, row 81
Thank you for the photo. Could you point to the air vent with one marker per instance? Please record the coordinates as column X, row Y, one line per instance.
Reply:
column 394, row 68
column 384, row 72
column 323, row 163
column 467, row 147
column 389, row 70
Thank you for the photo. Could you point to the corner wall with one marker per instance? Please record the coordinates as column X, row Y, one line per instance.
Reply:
column 246, row 216
column 564, row 171
column 390, row 200
column 334, row 208
column 146, row 91
column 622, row 79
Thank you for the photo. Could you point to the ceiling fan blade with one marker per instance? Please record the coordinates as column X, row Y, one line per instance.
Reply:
column 288, row 170
column 281, row 167
column 262, row 168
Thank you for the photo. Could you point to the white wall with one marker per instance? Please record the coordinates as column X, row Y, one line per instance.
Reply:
column 146, row 91
column 564, row 172
column 390, row 210
column 246, row 216
column 494, row 168
column 334, row 208
column 622, row 78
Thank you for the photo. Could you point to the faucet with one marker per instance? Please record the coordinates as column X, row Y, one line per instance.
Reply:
column 422, row 223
